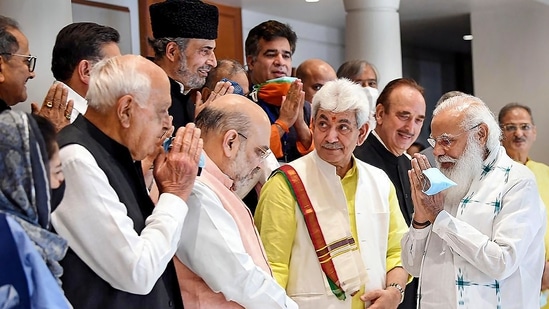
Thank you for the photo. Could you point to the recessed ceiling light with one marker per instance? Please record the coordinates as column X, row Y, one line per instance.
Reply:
column 468, row 37
column 312, row 1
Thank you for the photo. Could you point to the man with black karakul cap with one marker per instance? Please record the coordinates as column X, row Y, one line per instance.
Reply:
column 184, row 41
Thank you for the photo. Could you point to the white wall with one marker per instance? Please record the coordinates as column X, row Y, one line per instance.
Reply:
column 510, row 61
column 313, row 41
column 133, row 6
column 39, row 21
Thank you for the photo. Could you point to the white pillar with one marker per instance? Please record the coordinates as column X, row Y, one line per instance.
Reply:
column 373, row 33
column 40, row 21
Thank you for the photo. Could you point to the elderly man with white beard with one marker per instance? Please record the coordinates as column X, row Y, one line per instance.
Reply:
column 478, row 244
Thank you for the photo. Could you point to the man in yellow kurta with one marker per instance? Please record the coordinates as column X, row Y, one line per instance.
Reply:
column 347, row 217
column 519, row 133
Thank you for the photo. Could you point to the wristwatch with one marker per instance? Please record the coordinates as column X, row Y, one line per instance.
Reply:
column 400, row 289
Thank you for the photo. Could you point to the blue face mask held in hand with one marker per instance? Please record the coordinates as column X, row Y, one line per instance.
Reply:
column 438, row 182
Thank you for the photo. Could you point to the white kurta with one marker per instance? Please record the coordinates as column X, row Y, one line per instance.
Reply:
column 98, row 229
column 213, row 248
column 486, row 252
column 80, row 104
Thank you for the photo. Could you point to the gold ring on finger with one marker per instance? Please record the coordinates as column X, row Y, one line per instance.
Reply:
column 68, row 116
column 49, row 104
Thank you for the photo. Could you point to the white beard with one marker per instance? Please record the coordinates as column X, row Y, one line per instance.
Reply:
column 464, row 171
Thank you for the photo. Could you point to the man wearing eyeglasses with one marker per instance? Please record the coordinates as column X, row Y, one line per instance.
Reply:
column 220, row 260
column 519, row 133
column 478, row 244
column 16, row 64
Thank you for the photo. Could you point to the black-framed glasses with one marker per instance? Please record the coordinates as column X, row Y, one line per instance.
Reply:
column 263, row 152
column 513, row 127
column 31, row 60
column 445, row 140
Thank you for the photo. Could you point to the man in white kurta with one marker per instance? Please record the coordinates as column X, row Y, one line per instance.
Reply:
column 221, row 262
column 480, row 245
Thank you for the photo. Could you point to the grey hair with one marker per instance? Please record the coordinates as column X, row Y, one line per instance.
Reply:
column 219, row 121
column 448, row 95
column 352, row 68
column 113, row 78
column 511, row 106
column 475, row 112
column 159, row 45
column 342, row 95
column 8, row 42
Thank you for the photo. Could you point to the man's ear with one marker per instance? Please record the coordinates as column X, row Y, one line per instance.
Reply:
column 483, row 134
column 124, row 107
column 380, row 112
column 172, row 50
column 83, row 70
column 250, row 62
column 205, row 92
column 2, row 63
column 362, row 134
column 231, row 143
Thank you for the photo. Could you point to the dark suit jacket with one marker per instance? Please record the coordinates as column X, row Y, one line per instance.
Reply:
column 182, row 108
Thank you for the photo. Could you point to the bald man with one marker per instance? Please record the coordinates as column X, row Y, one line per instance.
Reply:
column 220, row 248
column 314, row 73
column 231, row 70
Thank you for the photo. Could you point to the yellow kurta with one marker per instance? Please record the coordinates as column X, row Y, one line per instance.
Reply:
column 541, row 171
column 275, row 219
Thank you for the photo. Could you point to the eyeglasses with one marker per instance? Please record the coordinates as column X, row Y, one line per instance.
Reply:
column 263, row 152
column 511, row 127
column 445, row 140
column 31, row 60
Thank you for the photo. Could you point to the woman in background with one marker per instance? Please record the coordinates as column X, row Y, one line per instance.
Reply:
column 30, row 255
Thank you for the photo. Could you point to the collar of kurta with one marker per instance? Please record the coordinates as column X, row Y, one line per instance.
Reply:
column 211, row 168
column 329, row 168
column 120, row 152
column 182, row 87
column 374, row 133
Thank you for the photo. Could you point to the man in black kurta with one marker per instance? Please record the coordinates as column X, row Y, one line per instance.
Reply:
column 121, row 244
column 184, row 34
column 400, row 112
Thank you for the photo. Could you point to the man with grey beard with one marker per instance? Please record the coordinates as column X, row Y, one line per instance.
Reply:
column 184, row 42
column 480, row 243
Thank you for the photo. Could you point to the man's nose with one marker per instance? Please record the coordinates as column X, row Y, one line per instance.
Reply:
column 438, row 150
column 279, row 59
column 212, row 60
column 332, row 136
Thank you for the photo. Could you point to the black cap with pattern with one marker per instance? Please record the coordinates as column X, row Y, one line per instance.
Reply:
column 191, row 19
